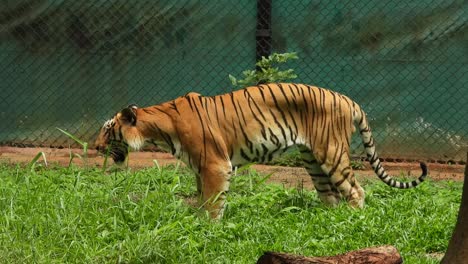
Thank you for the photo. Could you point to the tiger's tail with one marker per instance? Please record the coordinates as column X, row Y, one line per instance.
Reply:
column 374, row 160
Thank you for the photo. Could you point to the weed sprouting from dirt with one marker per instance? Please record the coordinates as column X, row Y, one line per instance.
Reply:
column 32, row 164
column 83, row 144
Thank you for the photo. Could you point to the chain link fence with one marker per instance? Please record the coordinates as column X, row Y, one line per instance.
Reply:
column 73, row 64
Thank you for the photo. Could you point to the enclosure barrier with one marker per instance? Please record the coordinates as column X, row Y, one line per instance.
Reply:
column 73, row 64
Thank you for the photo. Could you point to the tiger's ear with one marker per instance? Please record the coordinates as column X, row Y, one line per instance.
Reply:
column 128, row 115
column 132, row 106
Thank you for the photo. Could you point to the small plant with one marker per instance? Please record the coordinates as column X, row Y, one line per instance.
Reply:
column 84, row 158
column 267, row 71
column 291, row 158
column 251, row 180
column 357, row 164
column 32, row 164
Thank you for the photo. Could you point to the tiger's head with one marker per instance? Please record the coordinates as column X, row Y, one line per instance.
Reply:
column 119, row 133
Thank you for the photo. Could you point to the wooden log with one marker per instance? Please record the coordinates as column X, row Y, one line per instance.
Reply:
column 457, row 251
column 375, row 255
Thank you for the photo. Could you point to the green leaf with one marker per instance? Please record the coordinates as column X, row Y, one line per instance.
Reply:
column 233, row 80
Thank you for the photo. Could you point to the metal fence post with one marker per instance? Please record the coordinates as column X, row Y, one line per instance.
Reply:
column 263, row 32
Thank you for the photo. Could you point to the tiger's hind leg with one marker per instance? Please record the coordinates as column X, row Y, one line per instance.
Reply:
column 326, row 191
column 337, row 166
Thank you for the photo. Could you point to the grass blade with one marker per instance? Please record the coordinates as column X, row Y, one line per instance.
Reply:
column 33, row 162
column 82, row 143
column 72, row 156
column 156, row 164
column 106, row 157
column 77, row 140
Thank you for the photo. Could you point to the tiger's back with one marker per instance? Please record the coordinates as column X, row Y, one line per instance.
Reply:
column 261, row 122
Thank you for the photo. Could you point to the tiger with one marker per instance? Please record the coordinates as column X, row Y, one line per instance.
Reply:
column 213, row 135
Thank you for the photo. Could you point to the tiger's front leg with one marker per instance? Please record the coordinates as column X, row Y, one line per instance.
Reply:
column 215, row 180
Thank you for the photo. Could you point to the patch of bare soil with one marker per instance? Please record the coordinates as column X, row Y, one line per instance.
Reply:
column 287, row 176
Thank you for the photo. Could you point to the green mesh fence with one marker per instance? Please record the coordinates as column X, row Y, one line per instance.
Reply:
column 73, row 64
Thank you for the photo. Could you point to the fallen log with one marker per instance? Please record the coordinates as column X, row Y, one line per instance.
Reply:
column 374, row 255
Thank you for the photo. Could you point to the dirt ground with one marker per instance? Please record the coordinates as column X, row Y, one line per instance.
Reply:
column 288, row 176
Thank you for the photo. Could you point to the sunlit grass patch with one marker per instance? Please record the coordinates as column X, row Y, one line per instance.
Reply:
column 67, row 215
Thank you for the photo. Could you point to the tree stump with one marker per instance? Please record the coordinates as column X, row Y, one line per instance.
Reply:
column 374, row 255
column 457, row 251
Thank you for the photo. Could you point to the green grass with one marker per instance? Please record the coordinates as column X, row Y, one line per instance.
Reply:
column 70, row 215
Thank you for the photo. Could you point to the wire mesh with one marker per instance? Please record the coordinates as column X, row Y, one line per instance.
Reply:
column 73, row 64
column 404, row 62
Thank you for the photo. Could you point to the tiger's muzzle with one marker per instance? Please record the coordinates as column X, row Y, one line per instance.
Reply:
column 117, row 150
